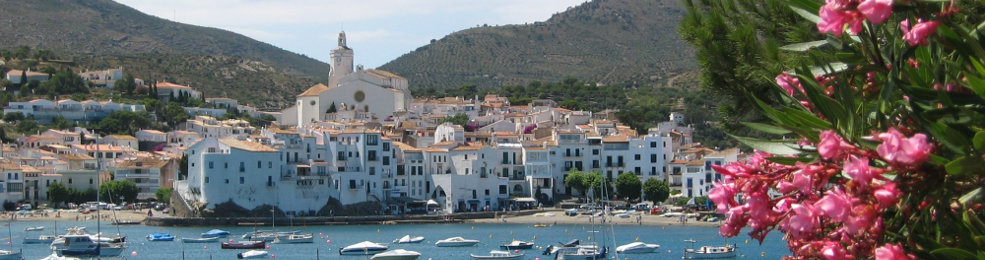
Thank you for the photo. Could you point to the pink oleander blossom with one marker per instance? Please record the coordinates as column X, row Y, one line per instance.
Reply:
column 834, row 251
column 723, row 195
column 888, row 195
column 835, row 19
column 897, row 148
column 917, row 35
column 858, row 169
column 876, row 11
column 832, row 145
column 891, row 252
column 836, row 205
column 802, row 221
column 790, row 84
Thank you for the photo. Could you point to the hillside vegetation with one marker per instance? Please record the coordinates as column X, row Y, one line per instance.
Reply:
column 98, row 33
column 604, row 41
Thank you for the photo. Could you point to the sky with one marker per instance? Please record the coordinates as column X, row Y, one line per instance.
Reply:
column 378, row 31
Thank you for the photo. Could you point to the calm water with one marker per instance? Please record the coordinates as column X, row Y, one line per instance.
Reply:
column 328, row 240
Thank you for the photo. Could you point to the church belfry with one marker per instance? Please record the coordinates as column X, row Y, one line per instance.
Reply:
column 341, row 62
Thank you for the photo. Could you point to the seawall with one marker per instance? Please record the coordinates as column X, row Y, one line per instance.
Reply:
column 336, row 220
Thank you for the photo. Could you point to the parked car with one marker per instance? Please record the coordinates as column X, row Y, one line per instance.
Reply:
column 571, row 212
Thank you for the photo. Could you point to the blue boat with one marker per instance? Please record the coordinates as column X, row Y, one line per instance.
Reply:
column 160, row 237
column 215, row 233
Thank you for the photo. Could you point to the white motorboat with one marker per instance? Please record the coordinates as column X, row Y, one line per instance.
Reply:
column 407, row 239
column 496, row 254
column 294, row 239
column 38, row 228
column 456, row 242
column 397, row 254
column 11, row 255
column 42, row 239
column 252, row 254
column 215, row 233
column 637, row 248
column 590, row 251
column 709, row 252
column 517, row 244
column 84, row 246
column 363, row 248
column 200, row 240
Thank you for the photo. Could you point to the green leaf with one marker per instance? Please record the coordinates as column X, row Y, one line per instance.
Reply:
column 769, row 146
column 767, row 128
column 952, row 139
column 952, row 253
column 979, row 141
column 789, row 160
column 804, row 46
column 830, row 68
column 965, row 165
column 973, row 195
column 813, row 18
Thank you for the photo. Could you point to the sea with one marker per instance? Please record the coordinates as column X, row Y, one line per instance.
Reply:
column 329, row 239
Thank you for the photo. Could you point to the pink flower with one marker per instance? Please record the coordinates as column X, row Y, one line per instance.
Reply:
column 919, row 33
column 832, row 145
column 858, row 169
column 804, row 179
column 836, row 205
column 834, row 19
column 876, row 11
column 722, row 195
column 833, row 251
column 896, row 148
column 802, row 220
column 788, row 83
column 888, row 195
column 891, row 252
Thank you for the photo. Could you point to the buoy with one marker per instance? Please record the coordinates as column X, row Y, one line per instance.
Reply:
column 473, row 227
column 205, row 247
column 320, row 234
column 565, row 230
column 747, row 241
column 535, row 237
column 516, row 251
column 763, row 254
column 490, row 235
column 134, row 253
column 329, row 241
column 637, row 239
column 511, row 233
column 273, row 256
column 268, row 247
column 377, row 230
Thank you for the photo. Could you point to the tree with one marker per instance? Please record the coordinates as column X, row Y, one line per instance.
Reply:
column 577, row 180
column 628, row 186
column 459, row 119
column 656, row 190
column 174, row 114
column 331, row 109
column 57, row 193
column 124, row 122
column 118, row 191
column 59, row 122
column 601, row 186
column 163, row 195
column 27, row 126
column 183, row 168
column 64, row 82
column 13, row 117
column 125, row 85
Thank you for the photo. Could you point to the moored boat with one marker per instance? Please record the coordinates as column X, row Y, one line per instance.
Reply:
column 38, row 228
column 11, row 255
column 363, row 248
column 215, row 233
column 252, row 254
column 581, row 252
column 517, row 244
column 200, row 240
column 637, row 248
column 456, row 242
column 407, row 239
column 84, row 246
column 496, row 254
column 709, row 252
column 42, row 239
column 294, row 239
column 397, row 254
column 244, row 245
column 160, row 237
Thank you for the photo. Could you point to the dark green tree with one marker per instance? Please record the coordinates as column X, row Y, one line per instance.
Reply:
column 125, row 85
column 124, row 122
column 13, row 117
column 183, row 168
column 628, row 186
column 57, row 193
column 27, row 126
column 331, row 109
column 577, row 180
column 656, row 190
column 163, row 195
column 118, row 191
column 600, row 185
column 459, row 119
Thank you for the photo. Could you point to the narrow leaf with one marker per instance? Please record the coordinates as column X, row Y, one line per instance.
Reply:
column 973, row 195
column 804, row 46
column 979, row 141
column 952, row 253
column 789, row 160
column 806, row 14
column 767, row 128
column 965, row 165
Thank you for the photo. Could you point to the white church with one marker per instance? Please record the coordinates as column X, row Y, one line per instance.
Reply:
column 376, row 91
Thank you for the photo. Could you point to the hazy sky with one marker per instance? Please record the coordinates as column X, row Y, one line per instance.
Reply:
column 377, row 30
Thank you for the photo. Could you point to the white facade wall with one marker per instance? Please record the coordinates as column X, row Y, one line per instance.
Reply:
column 218, row 173
column 12, row 188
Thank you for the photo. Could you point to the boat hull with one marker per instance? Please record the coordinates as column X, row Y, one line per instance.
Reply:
column 200, row 240
column 252, row 254
column 398, row 254
column 244, row 245
column 455, row 244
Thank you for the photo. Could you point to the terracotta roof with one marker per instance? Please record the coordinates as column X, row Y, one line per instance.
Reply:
column 29, row 73
column 145, row 162
column 535, row 148
column 76, row 157
column 382, row 74
column 123, row 137
column 166, row 84
column 152, row 131
column 103, row 148
column 468, row 148
column 247, row 146
column 677, row 162
column 615, row 139
column 695, row 163
column 314, row 91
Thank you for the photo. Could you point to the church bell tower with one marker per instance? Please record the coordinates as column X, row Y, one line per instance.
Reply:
column 341, row 62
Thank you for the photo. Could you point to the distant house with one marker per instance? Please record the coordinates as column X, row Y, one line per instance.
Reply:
column 222, row 102
column 120, row 140
column 102, row 78
column 167, row 90
column 14, row 76
column 88, row 111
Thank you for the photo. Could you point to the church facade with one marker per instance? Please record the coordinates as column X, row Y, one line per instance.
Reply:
column 376, row 91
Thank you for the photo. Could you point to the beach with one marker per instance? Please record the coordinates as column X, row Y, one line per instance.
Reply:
column 48, row 215
column 550, row 217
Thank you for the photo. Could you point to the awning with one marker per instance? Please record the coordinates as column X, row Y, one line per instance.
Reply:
column 432, row 203
column 527, row 199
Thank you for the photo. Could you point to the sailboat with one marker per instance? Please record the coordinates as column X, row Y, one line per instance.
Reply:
column 587, row 251
column 10, row 254
column 86, row 245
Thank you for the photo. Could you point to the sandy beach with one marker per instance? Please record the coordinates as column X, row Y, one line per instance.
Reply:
column 557, row 217
column 74, row 215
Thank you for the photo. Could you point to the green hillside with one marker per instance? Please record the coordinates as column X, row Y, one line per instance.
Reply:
column 605, row 41
column 92, row 32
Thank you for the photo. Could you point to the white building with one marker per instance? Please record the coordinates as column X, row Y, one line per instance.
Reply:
column 74, row 111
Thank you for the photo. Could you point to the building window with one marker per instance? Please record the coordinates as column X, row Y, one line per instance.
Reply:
column 386, row 160
column 206, row 180
column 242, row 166
column 653, row 158
column 371, row 155
column 210, row 165
column 595, row 151
column 653, row 144
column 372, row 170
column 242, row 179
column 226, row 165
column 372, row 139
column 386, row 147
column 637, row 157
